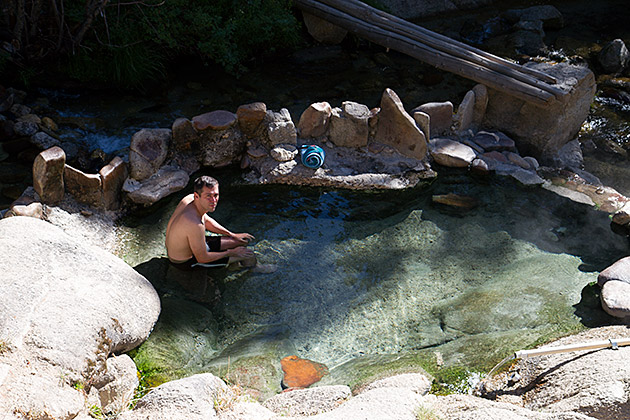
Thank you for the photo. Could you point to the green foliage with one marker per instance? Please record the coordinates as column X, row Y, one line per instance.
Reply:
column 96, row 412
column 133, row 44
column 149, row 376
column 450, row 380
column 424, row 413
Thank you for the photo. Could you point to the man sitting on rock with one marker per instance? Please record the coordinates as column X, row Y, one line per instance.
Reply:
column 187, row 245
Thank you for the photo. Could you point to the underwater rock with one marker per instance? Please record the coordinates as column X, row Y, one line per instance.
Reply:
column 455, row 200
column 301, row 373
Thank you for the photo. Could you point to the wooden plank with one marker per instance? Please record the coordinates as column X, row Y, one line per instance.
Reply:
column 437, row 58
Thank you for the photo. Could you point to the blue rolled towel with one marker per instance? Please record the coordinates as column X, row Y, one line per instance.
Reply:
column 313, row 156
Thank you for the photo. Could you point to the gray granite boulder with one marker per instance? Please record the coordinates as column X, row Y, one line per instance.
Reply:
column 468, row 407
column 309, row 401
column 65, row 307
column 196, row 397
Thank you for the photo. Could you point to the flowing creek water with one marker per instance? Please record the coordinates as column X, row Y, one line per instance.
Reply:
column 366, row 280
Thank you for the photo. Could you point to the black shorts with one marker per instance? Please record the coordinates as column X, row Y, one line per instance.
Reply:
column 213, row 244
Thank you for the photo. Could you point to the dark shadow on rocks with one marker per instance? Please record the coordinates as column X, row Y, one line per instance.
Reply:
column 526, row 387
column 196, row 285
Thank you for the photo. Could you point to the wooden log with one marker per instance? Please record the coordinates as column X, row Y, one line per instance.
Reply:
column 387, row 21
column 468, row 53
column 421, row 51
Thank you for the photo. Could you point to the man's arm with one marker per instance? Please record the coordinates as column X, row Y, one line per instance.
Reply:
column 214, row 227
column 197, row 242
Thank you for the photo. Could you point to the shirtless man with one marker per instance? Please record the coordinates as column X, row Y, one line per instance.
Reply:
column 187, row 245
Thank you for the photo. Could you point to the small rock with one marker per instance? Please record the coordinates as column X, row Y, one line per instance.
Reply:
column 480, row 167
column 19, row 110
column 301, row 373
column 613, row 58
column 284, row 152
column 533, row 163
column 455, row 200
column 396, row 128
column 465, row 111
column 322, row 30
column 85, row 188
column 481, row 103
column 43, row 141
column 25, row 128
column 424, row 122
column 441, row 114
column 215, row 120
column 280, row 127
column 314, row 120
column 35, row 210
column 451, row 153
column 48, row 169
column 308, row 402
column 493, row 141
column 517, row 160
column 618, row 271
column 250, row 116
column 349, row 125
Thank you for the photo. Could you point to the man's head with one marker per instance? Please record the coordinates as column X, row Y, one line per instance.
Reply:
column 206, row 193
column 204, row 181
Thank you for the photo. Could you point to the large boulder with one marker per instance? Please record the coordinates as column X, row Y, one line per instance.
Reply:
column 468, row 407
column 65, row 307
column 196, row 397
column 542, row 131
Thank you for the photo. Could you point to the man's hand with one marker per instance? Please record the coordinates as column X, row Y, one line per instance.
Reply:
column 245, row 238
column 241, row 252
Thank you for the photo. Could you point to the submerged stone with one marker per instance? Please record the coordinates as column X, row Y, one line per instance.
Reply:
column 301, row 373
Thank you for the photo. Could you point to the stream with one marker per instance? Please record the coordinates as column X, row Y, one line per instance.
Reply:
column 366, row 281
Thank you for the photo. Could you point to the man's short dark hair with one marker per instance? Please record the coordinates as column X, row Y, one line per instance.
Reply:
column 204, row 181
